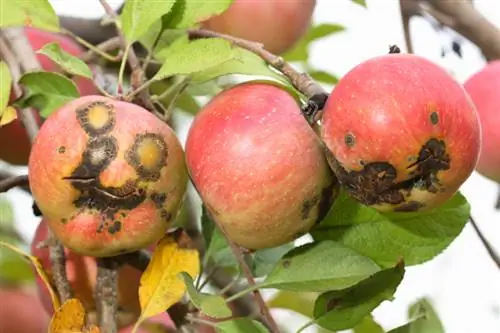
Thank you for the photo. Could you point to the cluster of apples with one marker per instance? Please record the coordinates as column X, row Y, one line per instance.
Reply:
column 397, row 133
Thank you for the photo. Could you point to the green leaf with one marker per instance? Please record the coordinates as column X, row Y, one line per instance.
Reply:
column 240, row 325
column 184, row 57
column 300, row 52
column 47, row 91
column 188, row 13
column 243, row 62
column 13, row 268
column 424, row 319
column 360, row 2
column 212, row 305
column 138, row 16
column 417, row 237
column 68, row 62
column 187, row 103
column 265, row 260
column 33, row 13
column 300, row 302
column 343, row 309
column 368, row 325
column 5, row 85
column 323, row 76
column 320, row 266
column 6, row 215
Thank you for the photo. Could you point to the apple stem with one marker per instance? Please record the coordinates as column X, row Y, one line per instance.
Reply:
column 106, row 294
column 489, row 248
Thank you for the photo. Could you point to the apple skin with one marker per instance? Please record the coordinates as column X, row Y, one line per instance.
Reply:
column 81, row 272
column 113, row 186
column 258, row 166
column 277, row 24
column 402, row 134
column 483, row 87
column 21, row 311
column 18, row 149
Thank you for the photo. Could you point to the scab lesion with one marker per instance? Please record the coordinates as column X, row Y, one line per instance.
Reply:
column 96, row 118
column 148, row 155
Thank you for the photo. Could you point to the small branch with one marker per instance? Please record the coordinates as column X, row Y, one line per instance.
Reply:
column 302, row 81
column 237, row 252
column 20, row 57
column 105, row 47
column 137, row 76
column 461, row 16
column 491, row 251
column 497, row 204
column 106, row 294
column 408, row 8
column 12, row 182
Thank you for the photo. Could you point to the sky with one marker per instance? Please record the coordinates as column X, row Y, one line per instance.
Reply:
column 462, row 282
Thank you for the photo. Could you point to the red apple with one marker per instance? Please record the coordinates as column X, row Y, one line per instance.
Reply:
column 402, row 134
column 22, row 312
column 483, row 88
column 277, row 24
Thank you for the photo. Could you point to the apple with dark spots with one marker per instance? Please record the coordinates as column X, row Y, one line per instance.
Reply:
column 109, row 176
column 277, row 24
column 258, row 166
column 17, row 152
column 483, row 87
column 401, row 133
column 81, row 272
column 22, row 312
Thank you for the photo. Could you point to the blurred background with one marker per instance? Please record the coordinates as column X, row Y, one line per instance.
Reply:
column 463, row 283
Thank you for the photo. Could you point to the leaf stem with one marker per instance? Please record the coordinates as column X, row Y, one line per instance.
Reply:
column 119, row 86
column 92, row 48
column 489, row 248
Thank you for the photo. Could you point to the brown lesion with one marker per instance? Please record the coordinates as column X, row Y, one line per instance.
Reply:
column 148, row 155
column 376, row 184
column 96, row 118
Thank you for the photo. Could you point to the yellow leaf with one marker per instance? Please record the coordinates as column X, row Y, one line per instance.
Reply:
column 161, row 286
column 92, row 329
column 8, row 115
column 39, row 269
column 69, row 318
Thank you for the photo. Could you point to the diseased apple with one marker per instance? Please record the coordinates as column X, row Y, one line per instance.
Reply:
column 402, row 134
column 277, row 24
column 109, row 176
column 483, row 87
column 258, row 166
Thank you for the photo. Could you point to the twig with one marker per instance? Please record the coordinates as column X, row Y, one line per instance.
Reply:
column 461, row 16
column 238, row 254
column 302, row 81
column 19, row 55
column 407, row 8
column 12, row 182
column 138, row 76
column 106, row 46
column 497, row 204
column 106, row 294
column 494, row 256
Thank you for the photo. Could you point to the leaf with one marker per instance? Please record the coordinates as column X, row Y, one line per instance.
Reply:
column 7, row 115
column 240, row 325
column 138, row 16
column 215, row 240
column 300, row 302
column 33, row 13
column 187, row 103
column 70, row 318
column 187, row 13
column 323, row 76
column 48, row 91
column 265, row 260
column 212, row 305
column 161, row 285
column 14, row 269
column 368, row 325
column 5, row 85
column 417, row 237
column 6, row 214
column 424, row 319
column 184, row 57
column 68, row 62
column 343, row 309
column 39, row 269
column 320, row 266
column 300, row 52
column 360, row 2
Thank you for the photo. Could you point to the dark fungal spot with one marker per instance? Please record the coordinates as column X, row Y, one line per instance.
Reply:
column 165, row 215
column 286, row 263
column 96, row 118
column 64, row 221
column 148, row 155
column 61, row 150
column 115, row 227
column 158, row 199
column 349, row 140
column 376, row 182
column 328, row 196
column 411, row 206
column 434, row 117
column 307, row 205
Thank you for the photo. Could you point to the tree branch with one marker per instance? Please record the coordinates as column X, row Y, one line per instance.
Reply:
column 461, row 16
column 12, row 182
column 491, row 251
column 106, row 294
column 408, row 8
column 20, row 57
